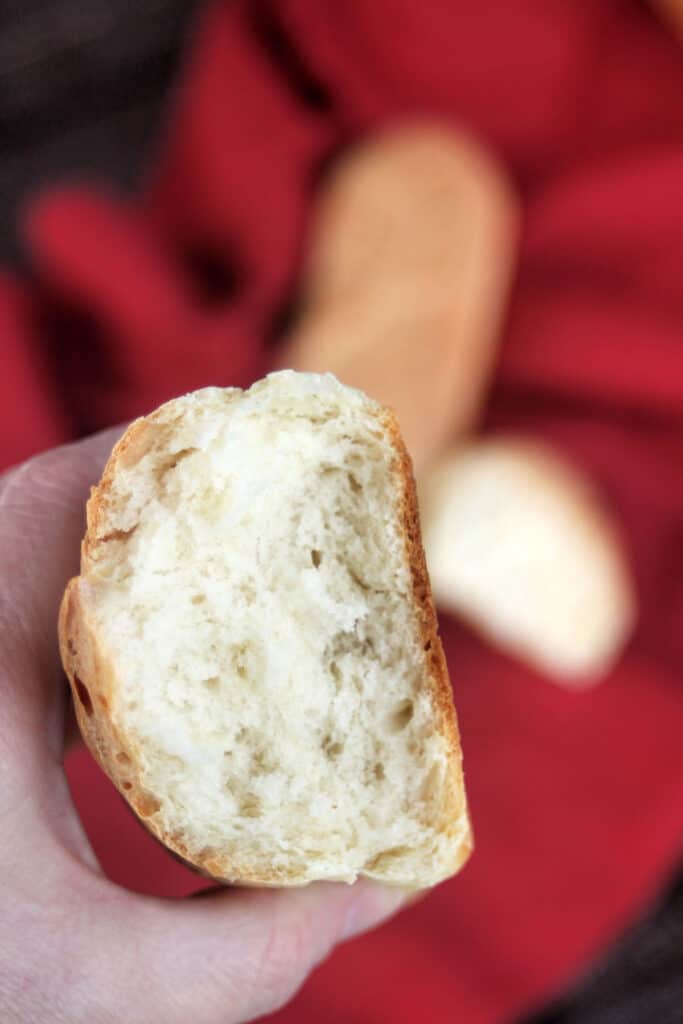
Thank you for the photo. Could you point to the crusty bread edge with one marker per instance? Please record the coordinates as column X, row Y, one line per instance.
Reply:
column 91, row 679
column 456, row 813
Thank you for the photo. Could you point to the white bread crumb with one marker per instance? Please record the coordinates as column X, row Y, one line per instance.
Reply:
column 254, row 659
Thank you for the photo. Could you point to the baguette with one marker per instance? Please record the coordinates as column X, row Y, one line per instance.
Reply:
column 252, row 645
column 519, row 544
column 406, row 282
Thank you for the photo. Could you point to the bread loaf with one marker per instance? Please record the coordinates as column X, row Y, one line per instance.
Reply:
column 519, row 544
column 411, row 254
column 252, row 644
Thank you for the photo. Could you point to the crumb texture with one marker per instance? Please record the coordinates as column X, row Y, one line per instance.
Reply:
column 246, row 575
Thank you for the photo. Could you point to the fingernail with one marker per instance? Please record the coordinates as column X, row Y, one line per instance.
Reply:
column 372, row 904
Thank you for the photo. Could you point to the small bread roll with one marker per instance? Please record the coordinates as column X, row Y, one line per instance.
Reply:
column 407, row 276
column 252, row 644
column 518, row 544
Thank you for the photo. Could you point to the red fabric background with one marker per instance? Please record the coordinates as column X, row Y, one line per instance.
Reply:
column 576, row 799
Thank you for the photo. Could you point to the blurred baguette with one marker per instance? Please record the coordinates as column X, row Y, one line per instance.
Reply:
column 410, row 261
column 519, row 545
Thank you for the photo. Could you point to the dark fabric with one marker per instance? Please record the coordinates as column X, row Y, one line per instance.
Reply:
column 81, row 91
column 639, row 982
column 576, row 799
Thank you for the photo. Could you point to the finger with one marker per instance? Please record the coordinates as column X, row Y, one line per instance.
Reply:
column 42, row 519
column 230, row 956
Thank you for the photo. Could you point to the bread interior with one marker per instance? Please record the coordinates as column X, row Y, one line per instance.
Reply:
column 252, row 585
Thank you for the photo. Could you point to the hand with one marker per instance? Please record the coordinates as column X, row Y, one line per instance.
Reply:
column 73, row 946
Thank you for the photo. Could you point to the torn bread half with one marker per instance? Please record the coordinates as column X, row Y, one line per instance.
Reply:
column 252, row 644
column 520, row 544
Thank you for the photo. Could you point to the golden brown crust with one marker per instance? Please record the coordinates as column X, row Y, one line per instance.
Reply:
column 435, row 660
column 135, row 442
column 92, row 677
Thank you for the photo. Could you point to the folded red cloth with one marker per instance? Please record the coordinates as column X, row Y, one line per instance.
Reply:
column 576, row 799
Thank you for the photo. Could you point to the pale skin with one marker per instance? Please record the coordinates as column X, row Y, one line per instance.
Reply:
column 74, row 947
